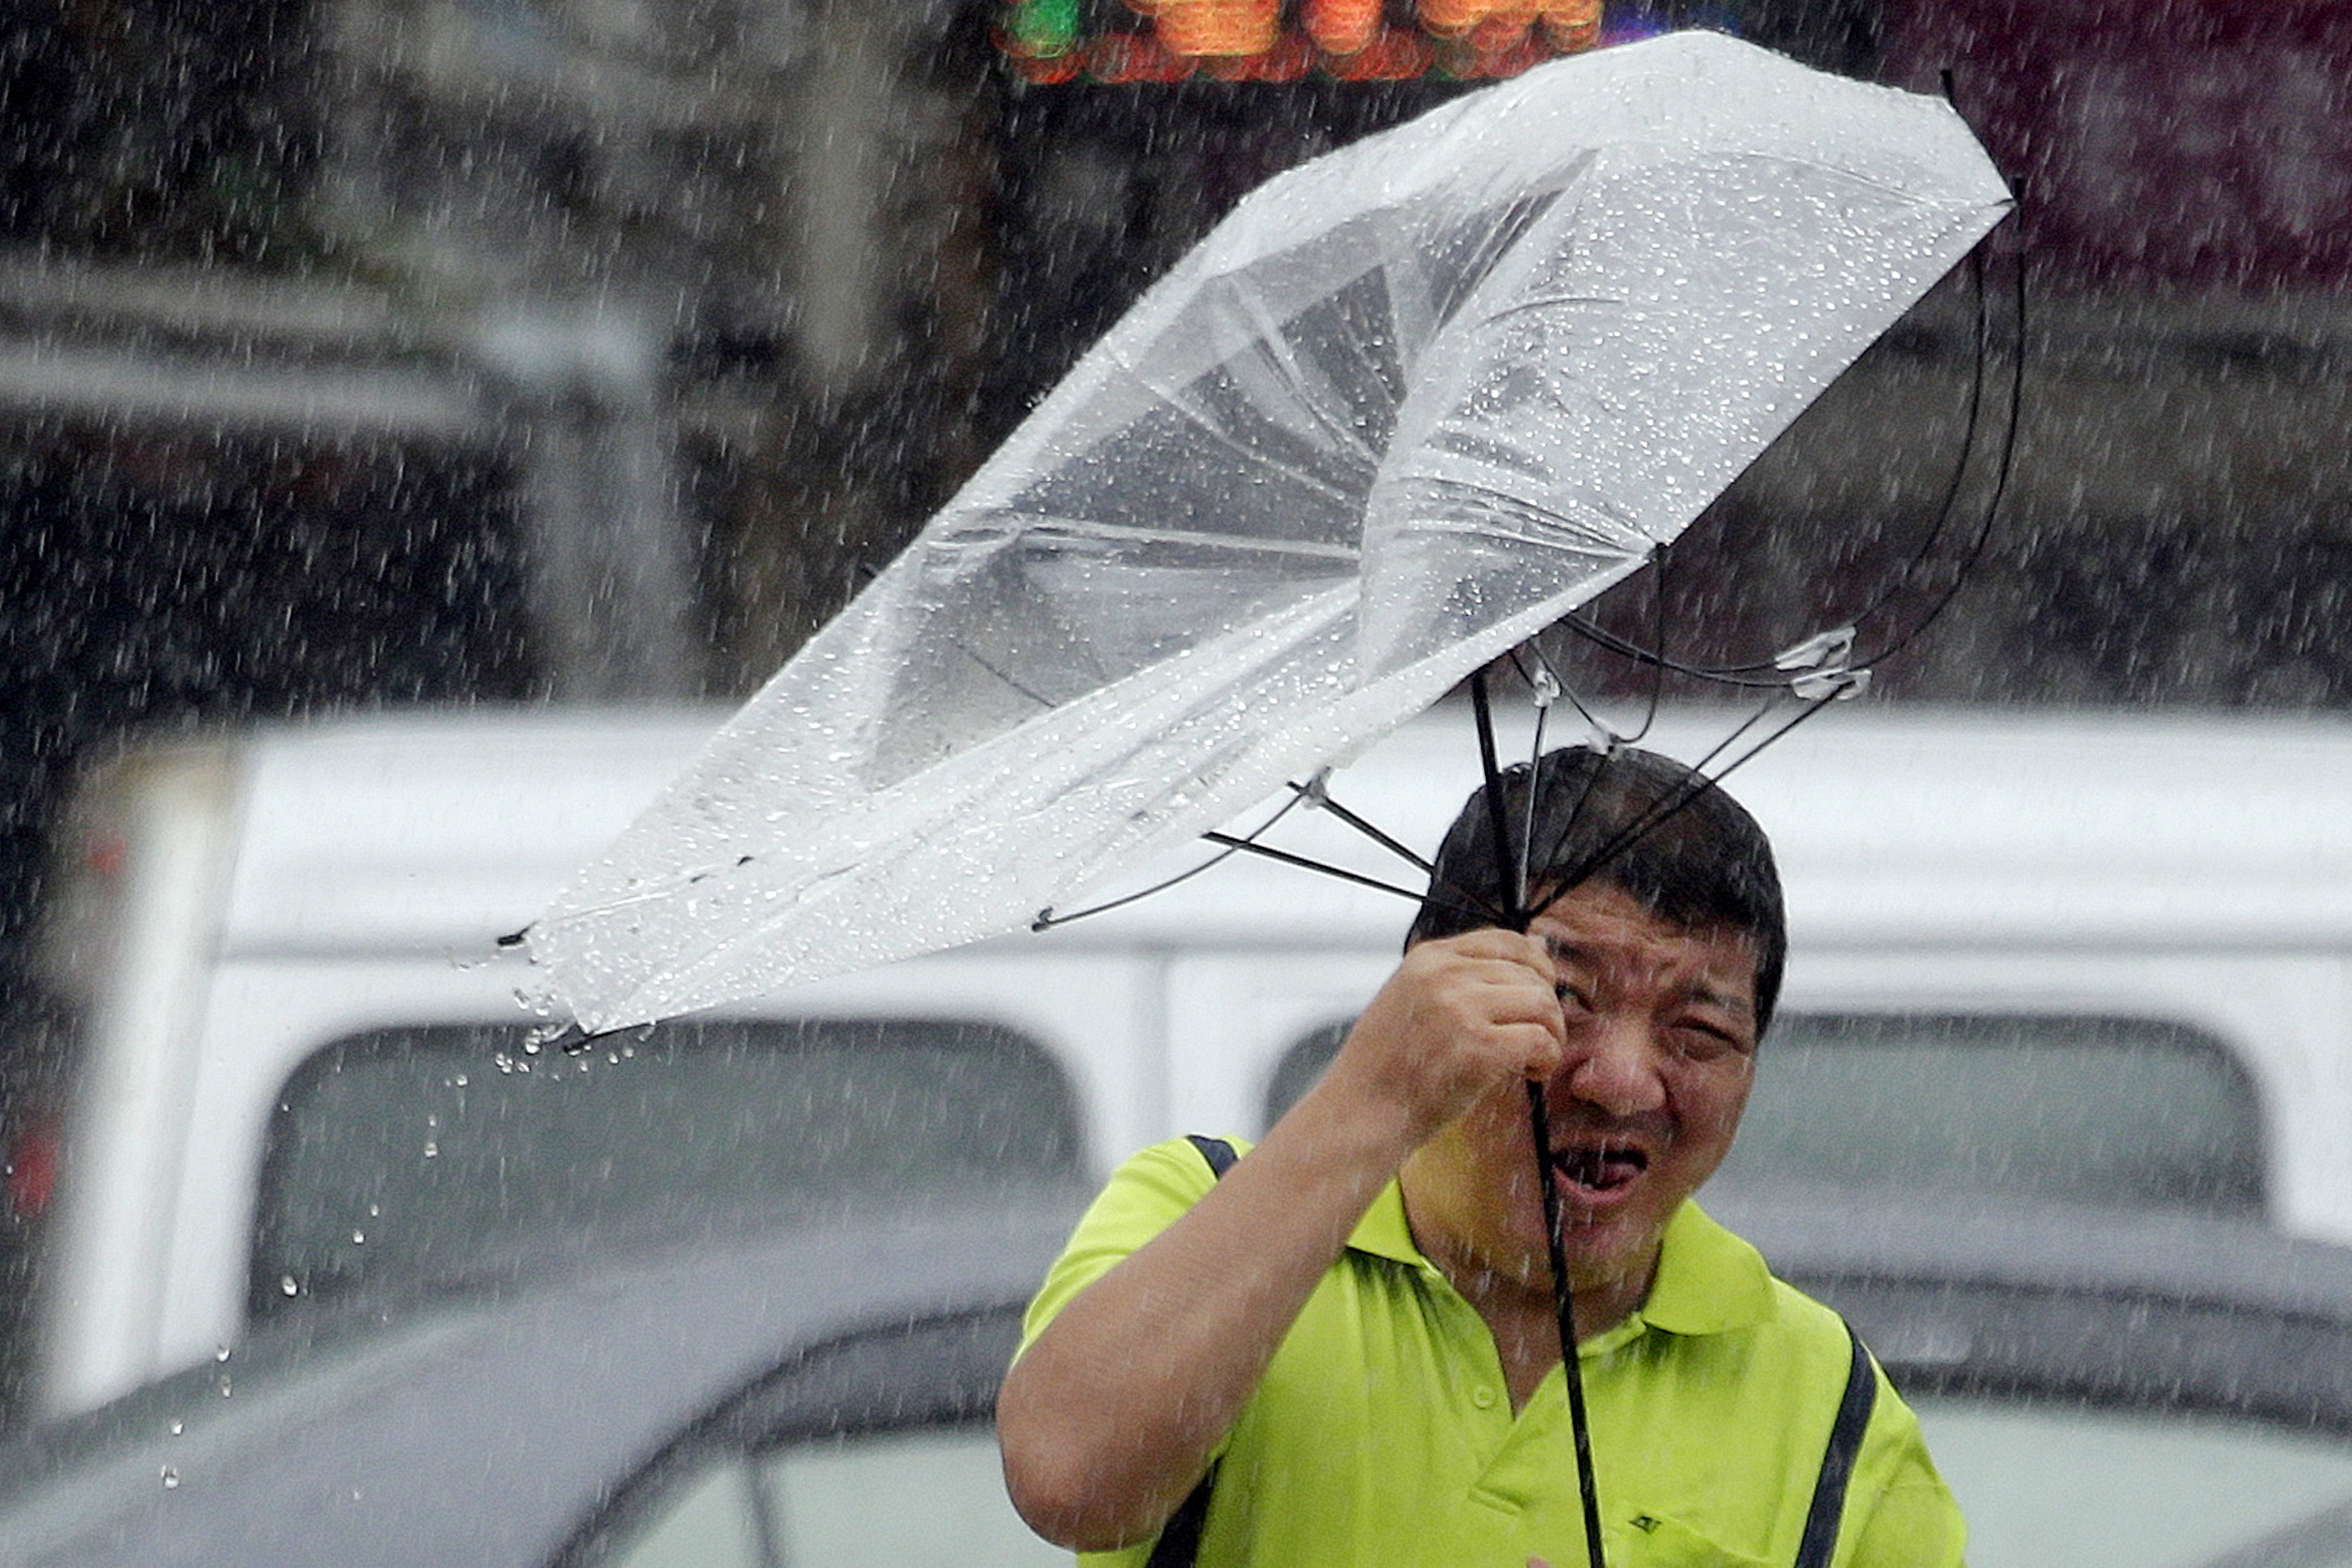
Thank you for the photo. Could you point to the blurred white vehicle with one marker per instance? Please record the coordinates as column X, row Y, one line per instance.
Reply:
column 2097, row 960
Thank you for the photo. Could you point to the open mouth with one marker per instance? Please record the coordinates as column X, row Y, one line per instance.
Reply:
column 1599, row 1171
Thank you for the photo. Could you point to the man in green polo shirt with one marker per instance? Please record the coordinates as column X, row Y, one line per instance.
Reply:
column 1354, row 1331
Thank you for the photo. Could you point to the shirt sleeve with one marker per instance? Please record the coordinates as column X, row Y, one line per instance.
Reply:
column 1901, row 1515
column 1145, row 1196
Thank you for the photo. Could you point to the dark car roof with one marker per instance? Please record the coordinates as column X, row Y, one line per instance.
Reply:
column 2126, row 1307
column 491, row 1432
column 479, row 1433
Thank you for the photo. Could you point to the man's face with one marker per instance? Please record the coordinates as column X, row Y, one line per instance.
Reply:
column 1661, row 1025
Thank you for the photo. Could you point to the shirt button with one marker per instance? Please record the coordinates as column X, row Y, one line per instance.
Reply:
column 1483, row 1397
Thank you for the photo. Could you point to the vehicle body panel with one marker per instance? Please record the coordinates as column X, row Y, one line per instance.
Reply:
column 346, row 875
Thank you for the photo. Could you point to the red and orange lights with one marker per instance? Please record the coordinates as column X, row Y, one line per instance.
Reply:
column 1283, row 40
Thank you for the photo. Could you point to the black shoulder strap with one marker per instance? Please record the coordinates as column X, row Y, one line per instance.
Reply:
column 1215, row 1151
column 1820, row 1541
column 1180, row 1538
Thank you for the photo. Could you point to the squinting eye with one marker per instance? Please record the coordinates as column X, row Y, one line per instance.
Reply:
column 1706, row 1040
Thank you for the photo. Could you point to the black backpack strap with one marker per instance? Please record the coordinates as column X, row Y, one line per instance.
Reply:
column 1820, row 1540
column 1215, row 1151
column 1180, row 1538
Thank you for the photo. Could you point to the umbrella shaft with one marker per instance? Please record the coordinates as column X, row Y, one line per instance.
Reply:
column 1563, row 1303
column 1514, row 902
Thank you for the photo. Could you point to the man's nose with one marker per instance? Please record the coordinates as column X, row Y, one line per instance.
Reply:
column 1614, row 1067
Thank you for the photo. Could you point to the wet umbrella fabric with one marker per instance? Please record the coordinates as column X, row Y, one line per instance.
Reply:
column 1410, row 404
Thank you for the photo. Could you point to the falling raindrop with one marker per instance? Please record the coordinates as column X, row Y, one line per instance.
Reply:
column 171, row 1478
column 286, row 1286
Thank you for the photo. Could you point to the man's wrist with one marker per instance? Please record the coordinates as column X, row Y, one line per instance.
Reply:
column 1354, row 1126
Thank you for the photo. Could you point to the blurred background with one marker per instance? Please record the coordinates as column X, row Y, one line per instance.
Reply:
column 380, row 355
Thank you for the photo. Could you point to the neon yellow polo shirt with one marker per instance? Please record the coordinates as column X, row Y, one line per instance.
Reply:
column 1382, row 1433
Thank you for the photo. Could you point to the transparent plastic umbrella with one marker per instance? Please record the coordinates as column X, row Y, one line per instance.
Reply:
column 1408, row 405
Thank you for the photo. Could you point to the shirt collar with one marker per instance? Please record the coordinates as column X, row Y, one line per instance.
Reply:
column 1709, row 1281
column 1383, row 1233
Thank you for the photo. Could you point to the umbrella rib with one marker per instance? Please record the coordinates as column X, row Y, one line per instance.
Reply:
column 1228, row 846
column 1494, row 493
column 1535, row 793
column 1305, row 864
column 1673, row 805
column 1733, row 676
column 1961, row 464
column 1283, row 354
column 2000, row 477
column 1592, row 721
column 1523, row 306
column 1657, row 639
column 1047, row 920
column 1371, row 832
column 1746, row 675
column 968, row 652
column 1088, row 528
column 1233, row 444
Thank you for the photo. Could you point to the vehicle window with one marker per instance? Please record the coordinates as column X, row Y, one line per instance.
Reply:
column 1300, row 1065
column 428, row 1156
column 875, row 1449
column 2043, row 1485
column 2066, row 1485
column 883, row 1499
column 2104, row 1110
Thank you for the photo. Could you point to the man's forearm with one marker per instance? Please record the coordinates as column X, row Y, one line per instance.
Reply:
column 1112, row 1413
column 1109, row 1418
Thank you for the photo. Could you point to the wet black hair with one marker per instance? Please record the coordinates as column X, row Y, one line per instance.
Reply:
column 1644, row 824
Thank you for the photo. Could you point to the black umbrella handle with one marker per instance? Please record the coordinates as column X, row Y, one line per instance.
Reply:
column 1514, row 903
column 1564, row 1306
column 1513, row 899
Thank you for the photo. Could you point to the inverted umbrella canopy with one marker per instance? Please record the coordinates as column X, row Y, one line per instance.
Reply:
column 1408, row 405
